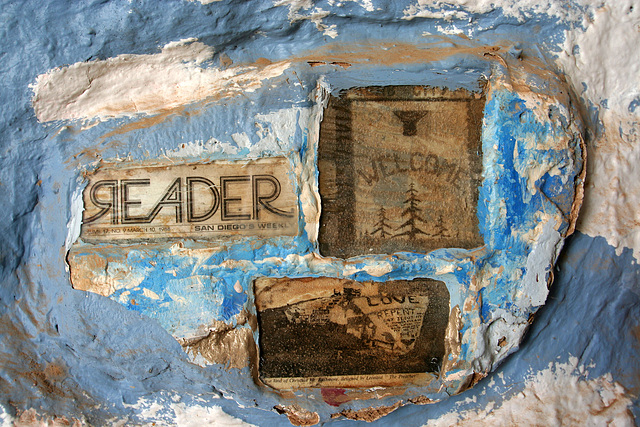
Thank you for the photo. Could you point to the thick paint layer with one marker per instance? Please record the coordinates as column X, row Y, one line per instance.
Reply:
column 532, row 175
column 82, row 356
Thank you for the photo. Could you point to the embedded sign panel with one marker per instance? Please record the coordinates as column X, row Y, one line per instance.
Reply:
column 200, row 201
column 328, row 332
column 399, row 170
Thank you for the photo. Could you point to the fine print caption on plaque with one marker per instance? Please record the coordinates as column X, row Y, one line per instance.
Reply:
column 399, row 170
column 201, row 201
column 328, row 332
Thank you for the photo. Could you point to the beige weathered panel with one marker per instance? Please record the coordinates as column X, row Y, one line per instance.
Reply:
column 327, row 332
column 201, row 201
column 399, row 170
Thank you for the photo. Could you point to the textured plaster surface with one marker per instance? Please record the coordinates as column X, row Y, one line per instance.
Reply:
column 196, row 79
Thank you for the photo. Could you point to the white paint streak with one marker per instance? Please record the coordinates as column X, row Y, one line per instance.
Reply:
column 116, row 276
column 376, row 270
column 444, row 269
column 241, row 139
column 604, row 57
column 142, row 84
column 183, row 415
column 211, row 148
column 309, row 193
column 503, row 327
column 462, row 9
column 75, row 220
column 558, row 395
column 533, row 291
column 303, row 10
column 6, row 420
column 276, row 131
column 149, row 293
column 365, row 4
column 197, row 416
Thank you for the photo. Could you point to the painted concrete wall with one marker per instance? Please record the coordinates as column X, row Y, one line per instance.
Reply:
column 88, row 82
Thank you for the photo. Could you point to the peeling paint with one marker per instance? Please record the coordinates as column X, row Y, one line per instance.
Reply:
column 213, row 95
column 481, row 333
column 514, row 8
column 369, row 414
column 298, row 416
column 225, row 344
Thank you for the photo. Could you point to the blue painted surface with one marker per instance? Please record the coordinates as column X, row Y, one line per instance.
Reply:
column 112, row 355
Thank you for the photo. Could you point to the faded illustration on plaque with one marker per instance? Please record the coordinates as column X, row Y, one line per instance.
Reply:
column 399, row 170
column 328, row 332
column 201, row 201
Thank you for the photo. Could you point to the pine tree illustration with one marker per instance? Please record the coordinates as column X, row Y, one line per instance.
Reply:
column 412, row 213
column 440, row 229
column 382, row 226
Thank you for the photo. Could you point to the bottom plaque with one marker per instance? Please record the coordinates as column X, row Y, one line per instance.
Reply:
column 327, row 332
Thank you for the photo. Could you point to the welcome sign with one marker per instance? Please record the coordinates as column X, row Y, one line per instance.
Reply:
column 201, row 201
column 399, row 170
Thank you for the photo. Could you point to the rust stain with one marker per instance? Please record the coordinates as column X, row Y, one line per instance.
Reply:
column 316, row 63
column 635, row 332
column 421, row 400
column 391, row 53
column 472, row 380
column 247, row 318
column 262, row 62
column 367, row 414
column 225, row 60
column 54, row 371
column 47, row 379
column 30, row 417
column 148, row 121
column 388, row 390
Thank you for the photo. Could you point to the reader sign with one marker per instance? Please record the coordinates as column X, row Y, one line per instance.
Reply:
column 203, row 201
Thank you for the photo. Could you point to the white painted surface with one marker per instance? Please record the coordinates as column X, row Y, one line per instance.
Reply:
column 604, row 57
column 520, row 9
column 142, row 84
column 198, row 416
column 556, row 396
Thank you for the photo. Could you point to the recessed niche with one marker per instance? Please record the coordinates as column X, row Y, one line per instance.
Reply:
column 399, row 170
column 328, row 332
